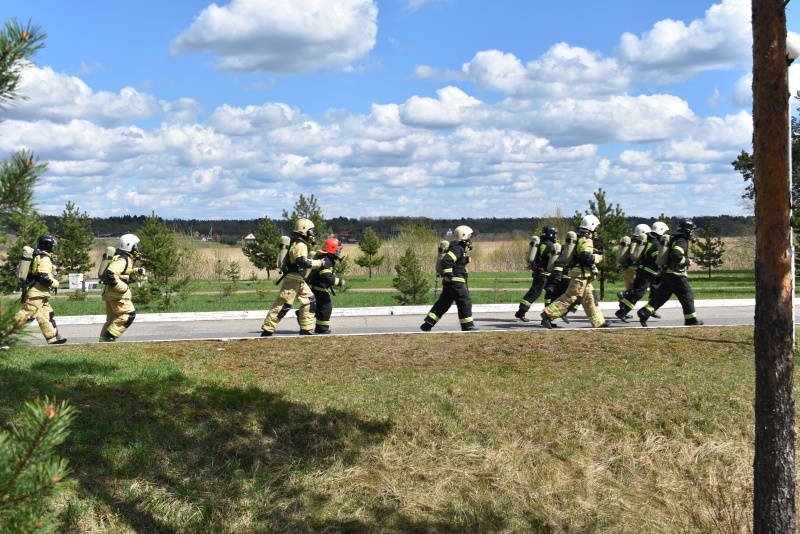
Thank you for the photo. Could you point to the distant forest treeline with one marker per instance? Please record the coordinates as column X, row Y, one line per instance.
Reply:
column 729, row 225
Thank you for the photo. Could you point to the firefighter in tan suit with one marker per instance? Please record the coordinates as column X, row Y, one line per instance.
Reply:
column 120, row 312
column 294, row 283
column 36, row 295
column 582, row 272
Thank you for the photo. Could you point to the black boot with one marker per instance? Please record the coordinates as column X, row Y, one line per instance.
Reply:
column 622, row 315
column 655, row 315
column 469, row 327
column 265, row 333
column 521, row 315
column 320, row 330
column 547, row 322
column 426, row 326
column 644, row 315
column 107, row 338
column 693, row 322
column 306, row 333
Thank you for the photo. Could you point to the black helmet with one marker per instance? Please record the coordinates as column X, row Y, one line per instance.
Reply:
column 686, row 226
column 550, row 232
column 46, row 243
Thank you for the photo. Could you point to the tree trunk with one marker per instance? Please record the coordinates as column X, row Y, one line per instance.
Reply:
column 773, row 464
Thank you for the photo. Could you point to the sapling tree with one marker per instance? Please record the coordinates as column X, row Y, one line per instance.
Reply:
column 411, row 281
column 370, row 245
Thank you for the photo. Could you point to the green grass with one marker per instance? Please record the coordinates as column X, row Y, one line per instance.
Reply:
column 515, row 432
column 498, row 288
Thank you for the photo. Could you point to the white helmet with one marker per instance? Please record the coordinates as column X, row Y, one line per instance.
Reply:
column 129, row 243
column 589, row 223
column 660, row 228
column 463, row 233
column 641, row 232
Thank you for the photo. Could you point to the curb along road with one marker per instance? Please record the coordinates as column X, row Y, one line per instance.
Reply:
column 355, row 312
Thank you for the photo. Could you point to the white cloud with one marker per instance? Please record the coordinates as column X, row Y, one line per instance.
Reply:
column 562, row 71
column 258, row 36
column 59, row 97
column 453, row 108
column 413, row 5
column 673, row 50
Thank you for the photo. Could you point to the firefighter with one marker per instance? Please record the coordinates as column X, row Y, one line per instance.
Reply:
column 294, row 283
column 454, row 283
column 630, row 265
column 36, row 293
column 322, row 282
column 541, row 276
column 120, row 312
column 582, row 271
column 647, row 273
column 675, row 279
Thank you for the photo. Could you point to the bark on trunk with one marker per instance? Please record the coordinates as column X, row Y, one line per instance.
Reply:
column 773, row 464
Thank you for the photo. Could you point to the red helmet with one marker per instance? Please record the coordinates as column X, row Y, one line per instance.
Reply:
column 332, row 246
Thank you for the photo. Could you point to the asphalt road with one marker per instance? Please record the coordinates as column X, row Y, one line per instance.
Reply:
column 374, row 321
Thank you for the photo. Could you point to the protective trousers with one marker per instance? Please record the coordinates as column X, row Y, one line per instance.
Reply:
column 580, row 287
column 39, row 307
column 290, row 290
column 629, row 277
column 643, row 281
column 452, row 292
column 324, row 310
column 673, row 285
column 540, row 279
column 120, row 314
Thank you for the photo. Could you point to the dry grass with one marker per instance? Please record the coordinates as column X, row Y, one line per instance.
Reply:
column 519, row 432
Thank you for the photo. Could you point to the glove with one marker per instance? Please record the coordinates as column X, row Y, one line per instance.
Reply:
column 598, row 258
column 342, row 282
column 54, row 285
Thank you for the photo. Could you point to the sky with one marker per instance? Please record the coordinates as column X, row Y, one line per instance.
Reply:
column 437, row 108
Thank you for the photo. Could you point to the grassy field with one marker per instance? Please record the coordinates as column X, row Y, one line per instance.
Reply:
column 488, row 288
column 625, row 431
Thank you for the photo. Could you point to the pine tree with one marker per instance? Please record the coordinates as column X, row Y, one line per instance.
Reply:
column 613, row 226
column 161, row 257
column 709, row 249
column 411, row 281
column 745, row 165
column 671, row 222
column 19, row 44
column 307, row 208
column 30, row 472
column 75, row 240
column 263, row 253
column 370, row 245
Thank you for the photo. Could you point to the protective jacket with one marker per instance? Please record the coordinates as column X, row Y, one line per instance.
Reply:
column 585, row 259
column 678, row 259
column 651, row 249
column 118, row 275
column 323, row 279
column 546, row 250
column 40, row 276
column 299, row 263
column 454, row 263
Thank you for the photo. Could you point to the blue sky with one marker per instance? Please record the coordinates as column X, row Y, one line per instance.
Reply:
column 441, row 108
